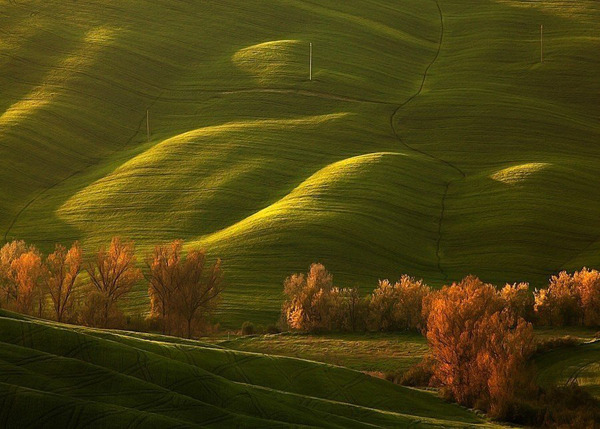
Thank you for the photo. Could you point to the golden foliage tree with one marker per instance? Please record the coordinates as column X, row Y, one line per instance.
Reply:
column 197, row 289
column 113, row 273
column 560, row 303
column 309, row 301
column 26, row 273
column 504, row 343
column 519, row 299
column 398, row 306
column 61, row 269
column 480, row 347
column 8, row 287
column 588, row 286
column 163, row 268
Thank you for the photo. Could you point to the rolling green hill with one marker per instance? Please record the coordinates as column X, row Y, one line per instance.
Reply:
column 431, row 141
column 61, row 376
column 579, row 365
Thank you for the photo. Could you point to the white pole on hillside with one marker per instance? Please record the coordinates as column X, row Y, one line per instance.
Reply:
column 541, row 43
column 310, row 64
column 148, row 123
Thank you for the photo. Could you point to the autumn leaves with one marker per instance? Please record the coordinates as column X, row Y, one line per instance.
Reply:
column 183, row 289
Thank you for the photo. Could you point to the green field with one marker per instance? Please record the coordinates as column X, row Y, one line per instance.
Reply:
column 62, row 376
column 580, row 364
column 377, row 353
column 431, row 141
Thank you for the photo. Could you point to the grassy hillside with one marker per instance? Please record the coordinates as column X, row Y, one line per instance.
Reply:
column 64, row 376
column 579, row 365
column 431, row 141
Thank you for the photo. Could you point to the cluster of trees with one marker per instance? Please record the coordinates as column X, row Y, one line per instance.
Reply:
column 480, row 346
column 314, row 304
column 183, row 288
column 570, row 299
column 27, row 278
column 481, row 337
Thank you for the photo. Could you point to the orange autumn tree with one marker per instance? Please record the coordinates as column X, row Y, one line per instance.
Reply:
column 588, row 286
column 480, row 348
column 113, row 273
column 309, row 300
column 505, row 343
column 8, row 287
column 559, row 304
column 398, row 306
column 570, row 299
column 197, row 289
column 26, row 274
column 520, row 299
column 61, row 269
column 163, row 268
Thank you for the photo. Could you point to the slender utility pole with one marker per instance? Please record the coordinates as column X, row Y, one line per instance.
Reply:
column 541, row 43
column 148, row 123
column 310, row 64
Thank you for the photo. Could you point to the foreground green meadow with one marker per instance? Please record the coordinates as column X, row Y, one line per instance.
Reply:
column 55, row 375
column 431, row 141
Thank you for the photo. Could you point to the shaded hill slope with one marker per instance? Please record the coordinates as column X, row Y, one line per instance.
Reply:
column 65, row 376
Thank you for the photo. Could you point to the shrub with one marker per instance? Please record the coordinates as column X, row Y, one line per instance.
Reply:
column 348, row 310
column 308, row 305
column 570, row 406
column 556, row 343
column 571, row 299
column 273, row 329
column 247, row 328
column 419, row 375
column 98, row 311
column 398, row 306
column 137, row 322
column 560, row 304
column 520, row 300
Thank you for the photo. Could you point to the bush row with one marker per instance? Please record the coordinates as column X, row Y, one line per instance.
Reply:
column 314, row 304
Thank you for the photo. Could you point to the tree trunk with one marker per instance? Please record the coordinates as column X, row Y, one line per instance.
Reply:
column 105, row 321
column 189, row 328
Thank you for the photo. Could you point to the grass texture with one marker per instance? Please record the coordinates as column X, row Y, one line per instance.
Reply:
column 579, row 364
column 431, row 141
column 55, row 375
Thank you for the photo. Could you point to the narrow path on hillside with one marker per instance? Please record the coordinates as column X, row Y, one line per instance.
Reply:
column 430, row 155
column 94, row 162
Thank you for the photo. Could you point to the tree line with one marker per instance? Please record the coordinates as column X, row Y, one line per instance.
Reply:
column 480, row 337
column 314, row 304
column 183, row 287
